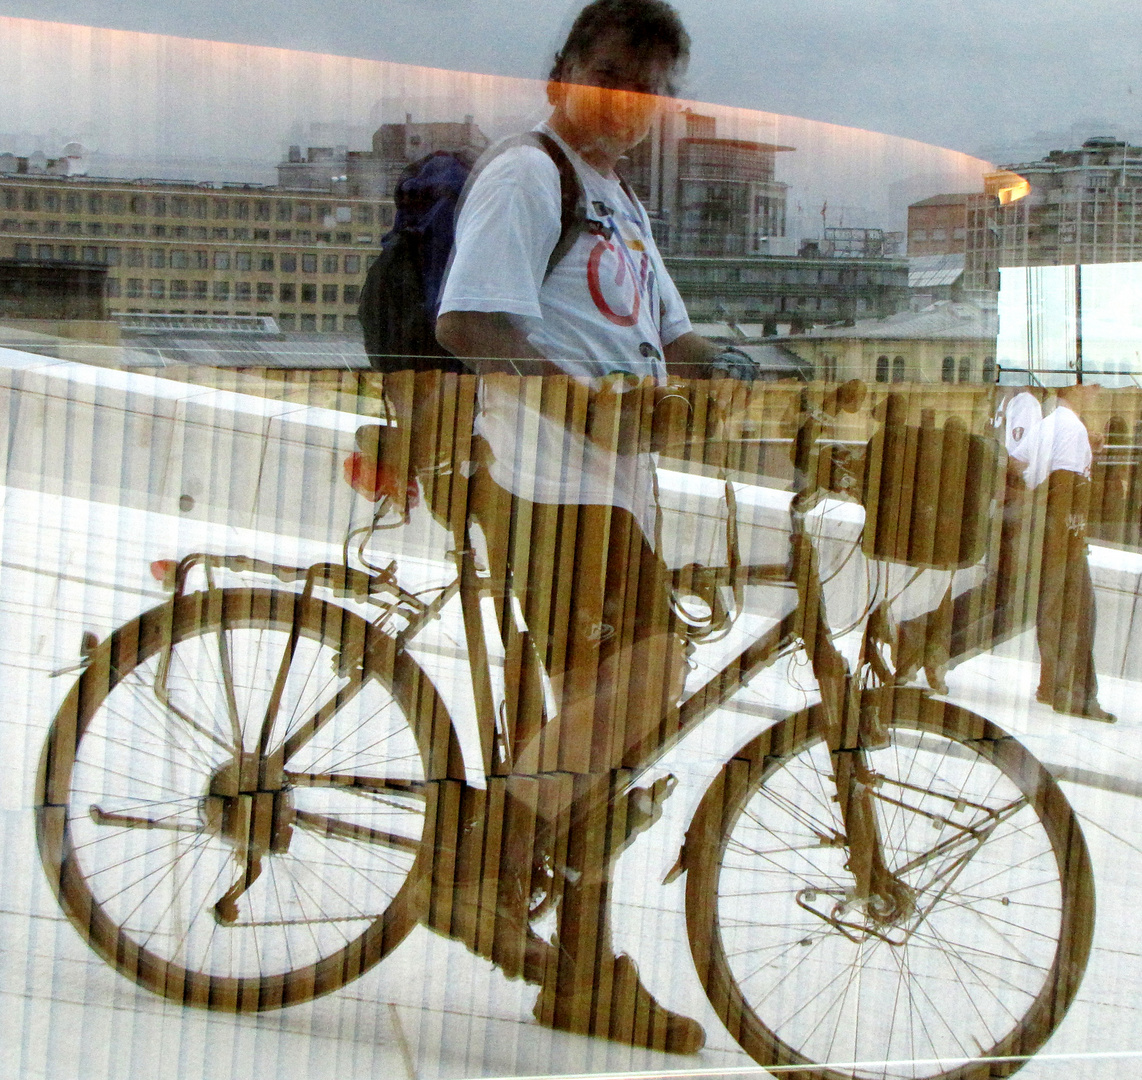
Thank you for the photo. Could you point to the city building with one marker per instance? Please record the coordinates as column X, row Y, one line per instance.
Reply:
column 790, row 293
column 707, row 195
column 938, row 225
column 947, row 342
column 1080, row 206
column 171, row 247
column 374, row 173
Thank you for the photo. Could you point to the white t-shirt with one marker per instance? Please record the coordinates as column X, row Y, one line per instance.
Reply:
column 1059, row 442
column 607, row 299
column 1023, row 414
column 607, row 306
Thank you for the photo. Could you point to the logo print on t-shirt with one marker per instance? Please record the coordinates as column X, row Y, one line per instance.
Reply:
column 622, row 276
column 618, row 294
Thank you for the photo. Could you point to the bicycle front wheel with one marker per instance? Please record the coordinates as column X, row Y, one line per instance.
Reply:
column 235, row 800
column 980, row 955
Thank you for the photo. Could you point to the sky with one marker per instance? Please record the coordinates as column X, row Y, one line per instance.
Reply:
column 993, row 78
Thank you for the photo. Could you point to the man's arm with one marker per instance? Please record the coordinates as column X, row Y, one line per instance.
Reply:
column 689, row 356
column 492, row 341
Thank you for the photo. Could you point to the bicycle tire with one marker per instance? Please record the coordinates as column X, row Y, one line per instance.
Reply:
column 129, row 831
column 984, row 968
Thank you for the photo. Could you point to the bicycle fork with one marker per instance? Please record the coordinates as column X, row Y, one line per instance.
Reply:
column 853, row 726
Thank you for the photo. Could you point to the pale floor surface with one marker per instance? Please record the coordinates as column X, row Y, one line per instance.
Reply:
column 71, row 566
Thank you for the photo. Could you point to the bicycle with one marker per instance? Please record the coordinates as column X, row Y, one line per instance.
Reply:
column 251, row 795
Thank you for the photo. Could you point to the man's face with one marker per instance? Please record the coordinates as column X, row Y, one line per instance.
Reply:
column 613, row 95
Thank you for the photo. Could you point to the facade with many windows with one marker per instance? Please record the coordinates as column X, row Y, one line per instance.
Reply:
column 201, row 249
column 1084, row 206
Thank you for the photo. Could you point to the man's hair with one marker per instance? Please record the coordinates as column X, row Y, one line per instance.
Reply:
column 650, row 26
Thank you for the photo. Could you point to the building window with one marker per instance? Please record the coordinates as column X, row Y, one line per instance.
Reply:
column 265, row 261
column 265, row 291
column 180, row 260
column 329, row 264
column 309, row 264
column 138, row 204
column 987, row 372
column 287, row 320
column 262, row 210
column 72, row 228
column 222, row 290
column 221, row 209
column 32, row 203
column 242, row 291
column 364, row 215
column 158, row 260
column 116, row 204
column 180, row 207
column 282, row 235
column 222, row 260
column 159, row 206
column 242, row 210
column 948, row 371
column 158, row 288
column 66, row 253
column 111, row 288
column 304, row 212
column 219, row 234
column 95, row 228
column 965, row 369
column 285, row 210
column 352, row 294
column 111, row 256
column 329, row 294
column 882, row 369
column 135, row 257
column 309, row 323
column 202, row 260
column 45, row 251
column 200, row 290
column 288, row 264
column 23, row 251
column 179, row 289
column 329, row 324
column 158, row 230
column 309, row 294
column 91, row 254
column 243, row 260
column 898, row 369
column 134, row 287
column 352, row 264
column 287, row 294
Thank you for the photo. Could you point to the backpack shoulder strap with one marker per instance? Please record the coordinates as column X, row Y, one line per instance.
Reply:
column 572, row 211
column 572, row 198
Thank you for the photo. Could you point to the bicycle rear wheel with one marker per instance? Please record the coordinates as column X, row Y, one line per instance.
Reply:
column 188, row 859
column 981, row 961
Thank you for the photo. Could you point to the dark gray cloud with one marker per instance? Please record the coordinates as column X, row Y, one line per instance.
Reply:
column 971, row 75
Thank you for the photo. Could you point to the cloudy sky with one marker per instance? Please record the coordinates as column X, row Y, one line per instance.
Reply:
column 989, row 77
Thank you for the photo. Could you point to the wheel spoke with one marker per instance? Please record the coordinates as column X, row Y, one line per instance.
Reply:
column 975, row 834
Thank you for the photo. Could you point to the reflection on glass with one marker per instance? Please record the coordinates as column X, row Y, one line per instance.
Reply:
column 645, row 617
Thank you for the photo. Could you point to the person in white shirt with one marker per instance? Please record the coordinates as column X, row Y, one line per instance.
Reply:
column 1058, row 454
column 607, row 315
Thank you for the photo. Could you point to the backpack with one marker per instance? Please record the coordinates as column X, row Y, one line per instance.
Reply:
column 401, row 294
